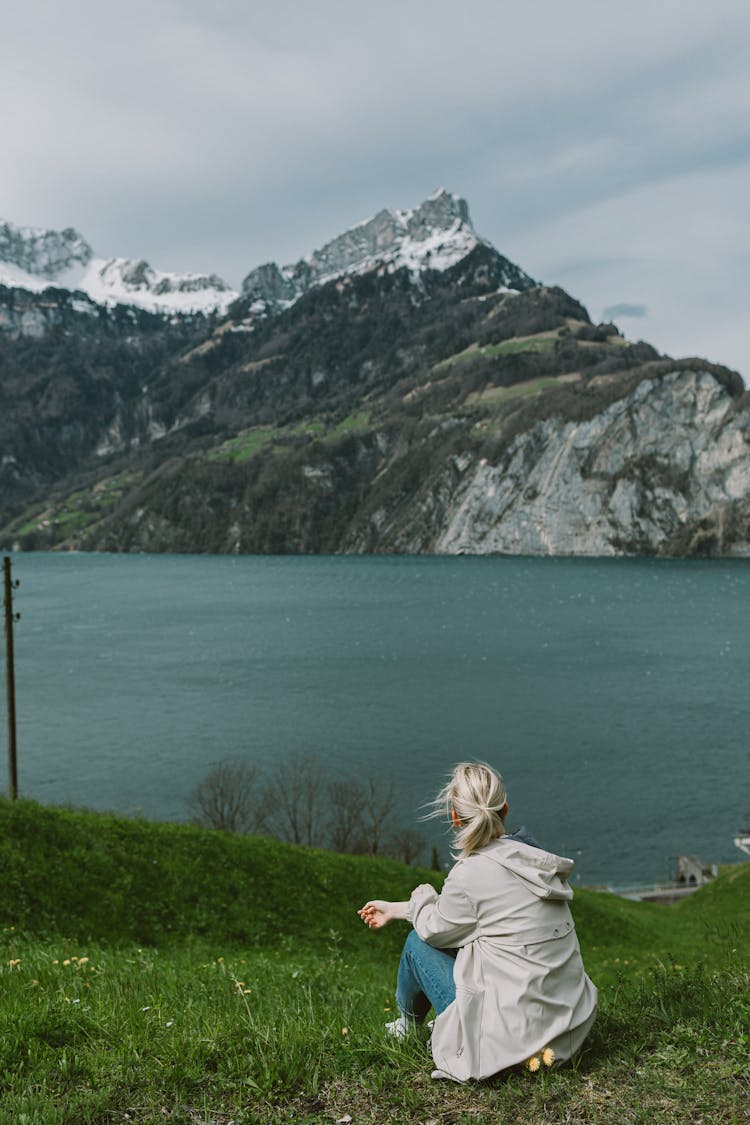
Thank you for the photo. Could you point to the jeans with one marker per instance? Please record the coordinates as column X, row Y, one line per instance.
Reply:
column 425, row 978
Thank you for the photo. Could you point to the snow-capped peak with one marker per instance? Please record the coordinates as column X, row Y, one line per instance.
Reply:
column 34, row 259
column 433, row 236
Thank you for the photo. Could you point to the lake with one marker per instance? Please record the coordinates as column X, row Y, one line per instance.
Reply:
column 612, row 694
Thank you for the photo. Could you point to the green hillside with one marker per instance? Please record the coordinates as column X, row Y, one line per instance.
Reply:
column 93, row 876
column 161, row 972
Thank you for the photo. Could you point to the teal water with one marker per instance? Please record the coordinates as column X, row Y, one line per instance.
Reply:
column 612, row 694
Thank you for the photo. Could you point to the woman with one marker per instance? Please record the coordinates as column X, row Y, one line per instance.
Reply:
column 495, row 953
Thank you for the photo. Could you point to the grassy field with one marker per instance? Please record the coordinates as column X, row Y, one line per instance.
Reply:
column 156, row 972
column 258, row 438
column 78, row 510
column 540, row 342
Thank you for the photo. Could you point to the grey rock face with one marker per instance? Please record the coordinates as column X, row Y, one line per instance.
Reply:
column 43, row 253
column 268, row 283
column 25, row 314
column 625, row 482
column 194, row 283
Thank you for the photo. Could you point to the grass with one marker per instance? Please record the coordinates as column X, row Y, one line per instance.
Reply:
column 495, row 397
column 309, row 427
column 111, row 488
column 155, row 972
column 79, row 510
column 492, row 402
column 246, row 444
column 357, row 423
column 540, row 342
column 206, row 1033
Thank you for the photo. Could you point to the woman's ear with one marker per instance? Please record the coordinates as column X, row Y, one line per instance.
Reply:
column 504, row 811
column 454, row 818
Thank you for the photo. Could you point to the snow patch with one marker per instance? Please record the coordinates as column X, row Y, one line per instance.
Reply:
column 121, row 281
column 35, row 259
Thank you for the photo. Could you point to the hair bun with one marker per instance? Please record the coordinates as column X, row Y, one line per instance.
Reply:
column 476, row 794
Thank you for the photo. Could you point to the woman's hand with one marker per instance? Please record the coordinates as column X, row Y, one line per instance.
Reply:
column 377, row 913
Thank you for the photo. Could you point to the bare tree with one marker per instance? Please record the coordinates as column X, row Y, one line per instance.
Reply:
column 299, row 803
column 406, row 845
column 346, row 803
column 294, row 799
column 229, row 798
column 376, row 814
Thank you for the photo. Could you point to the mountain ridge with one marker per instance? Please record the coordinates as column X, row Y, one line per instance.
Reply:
column 435, row 235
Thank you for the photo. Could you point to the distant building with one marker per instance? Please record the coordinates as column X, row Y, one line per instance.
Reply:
column 691, row 870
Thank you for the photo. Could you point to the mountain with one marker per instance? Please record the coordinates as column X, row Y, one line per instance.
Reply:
column 406, row 389
column 36, row 260
column 434, row 236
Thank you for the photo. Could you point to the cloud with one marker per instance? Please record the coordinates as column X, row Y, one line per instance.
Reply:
column 216, row 135
column 613, row 312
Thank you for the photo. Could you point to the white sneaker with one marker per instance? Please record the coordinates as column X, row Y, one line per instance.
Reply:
column 399, row 1028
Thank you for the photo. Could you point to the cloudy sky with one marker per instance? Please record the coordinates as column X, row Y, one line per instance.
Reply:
column 604, row 147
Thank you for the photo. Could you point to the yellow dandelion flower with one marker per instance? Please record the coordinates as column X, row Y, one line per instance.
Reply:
column 82, row 960
column 548, row 1056
column 344, row 1030
column 14, row 962
column 66, row 961
column 74, row 958
column 533, row 1063
column 246, row 991
column 55, row 962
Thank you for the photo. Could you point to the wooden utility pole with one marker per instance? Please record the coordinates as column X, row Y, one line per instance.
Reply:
column 10, row 617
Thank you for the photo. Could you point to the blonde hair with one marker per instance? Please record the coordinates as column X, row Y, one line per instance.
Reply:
column 477, row 794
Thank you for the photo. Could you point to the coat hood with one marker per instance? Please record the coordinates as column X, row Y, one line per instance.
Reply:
column 543, row 873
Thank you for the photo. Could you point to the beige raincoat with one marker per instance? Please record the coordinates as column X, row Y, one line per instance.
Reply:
column 520, row 981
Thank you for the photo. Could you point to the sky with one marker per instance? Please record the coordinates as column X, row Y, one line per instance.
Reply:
column 602, row 147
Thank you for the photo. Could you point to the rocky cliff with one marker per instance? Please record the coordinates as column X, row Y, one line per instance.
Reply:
column 45, row 254
column 663, row 470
